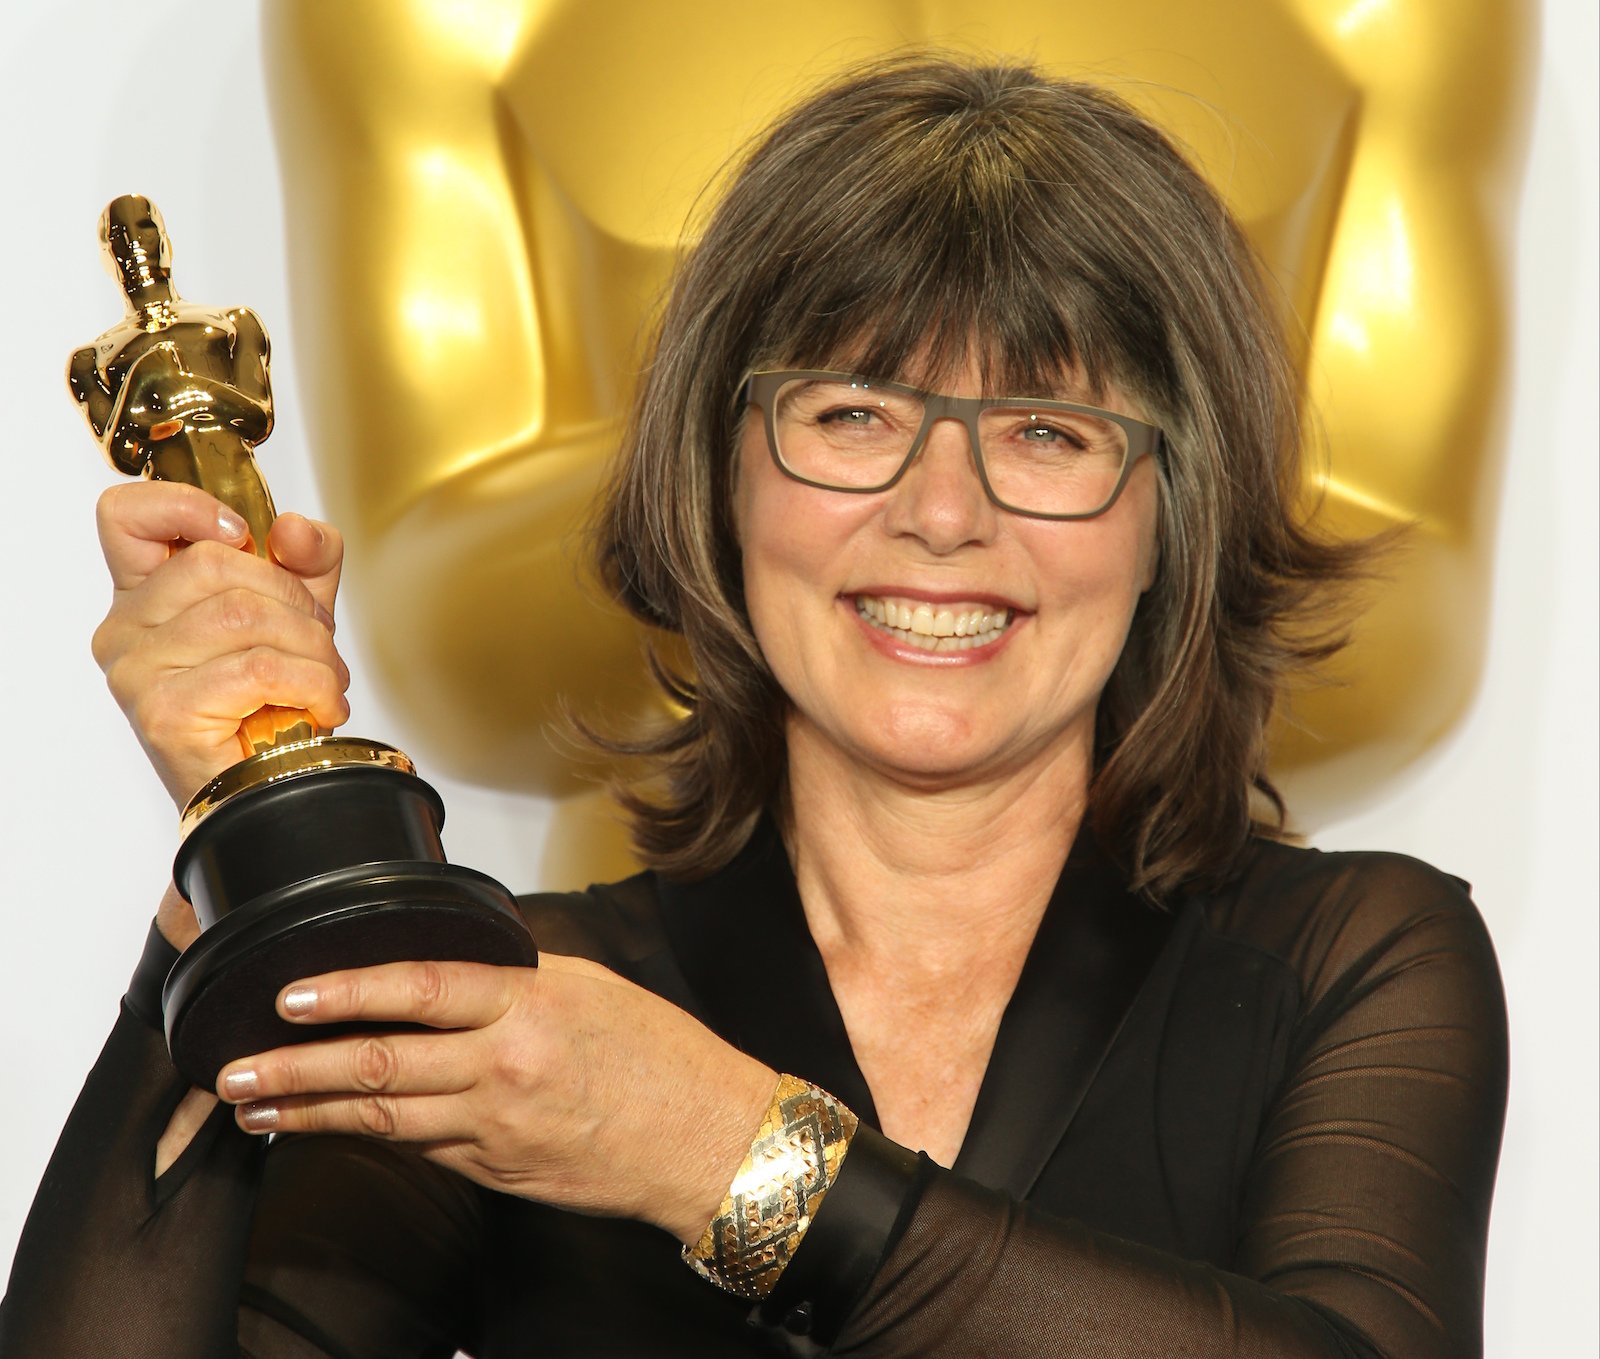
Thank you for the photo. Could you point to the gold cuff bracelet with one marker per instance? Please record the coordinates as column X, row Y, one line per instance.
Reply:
column 791, row 1164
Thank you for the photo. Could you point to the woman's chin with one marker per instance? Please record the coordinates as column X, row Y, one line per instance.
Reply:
column 926, row 755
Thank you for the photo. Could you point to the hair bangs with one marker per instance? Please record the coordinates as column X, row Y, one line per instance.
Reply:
column 967, row 261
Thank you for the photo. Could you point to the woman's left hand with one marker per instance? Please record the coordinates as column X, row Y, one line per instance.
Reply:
column 564, row 1083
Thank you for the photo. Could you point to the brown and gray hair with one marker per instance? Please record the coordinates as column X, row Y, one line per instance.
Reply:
column 915, row 209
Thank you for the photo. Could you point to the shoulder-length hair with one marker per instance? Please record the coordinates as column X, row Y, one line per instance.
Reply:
column 915, row 209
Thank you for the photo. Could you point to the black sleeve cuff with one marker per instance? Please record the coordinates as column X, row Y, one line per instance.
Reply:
column 144, row 990
column 862, row 1216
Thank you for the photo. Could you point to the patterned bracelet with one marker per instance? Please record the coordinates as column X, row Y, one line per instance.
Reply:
column 791, row 1164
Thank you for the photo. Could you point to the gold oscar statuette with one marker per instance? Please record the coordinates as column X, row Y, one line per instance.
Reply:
column 315, row 851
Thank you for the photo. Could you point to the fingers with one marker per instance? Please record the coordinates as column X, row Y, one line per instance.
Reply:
column 439, row 995
column 139, row 521
column 389, row 1064
column 405, row 1087
column 187, row 657
column 196, row 641
column 412, row 1118
column 383, row 1084
column 314, row 551
column 221, row 577
column 558, row 1085
column 200, row 614
column 212, row 697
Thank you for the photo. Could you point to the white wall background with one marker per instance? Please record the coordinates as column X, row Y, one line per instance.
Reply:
column 167, row 98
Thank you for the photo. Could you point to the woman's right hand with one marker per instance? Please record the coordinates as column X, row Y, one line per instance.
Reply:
column 197, row 640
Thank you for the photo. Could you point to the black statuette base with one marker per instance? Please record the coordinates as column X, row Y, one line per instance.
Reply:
column 304, row 913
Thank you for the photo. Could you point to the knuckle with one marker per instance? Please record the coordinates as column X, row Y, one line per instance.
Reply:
column 376, row 1115
column 109, row 652
column 239, row 610
column 324, row 703
column 431, row 987
column 206, row 555
column 150, row 714
column 376, row 1064
column 517, row 1067
column 210, row 561
column 260, row 667
column 324, row 666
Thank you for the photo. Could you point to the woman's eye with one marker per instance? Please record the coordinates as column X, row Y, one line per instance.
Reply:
column 1051, row 437
column 848, row 415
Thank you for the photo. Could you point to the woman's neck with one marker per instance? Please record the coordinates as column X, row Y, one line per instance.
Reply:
column 924, row 878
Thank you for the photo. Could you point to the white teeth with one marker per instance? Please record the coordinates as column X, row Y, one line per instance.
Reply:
column 934, row 630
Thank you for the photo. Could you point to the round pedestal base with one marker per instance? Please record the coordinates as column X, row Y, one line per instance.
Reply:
column 313, row 858
column 220, row 997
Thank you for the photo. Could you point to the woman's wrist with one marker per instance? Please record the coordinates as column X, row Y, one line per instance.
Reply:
column 176, row 920
column 716, row 1145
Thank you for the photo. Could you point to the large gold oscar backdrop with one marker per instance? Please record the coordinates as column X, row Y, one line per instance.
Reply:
column 484, row 201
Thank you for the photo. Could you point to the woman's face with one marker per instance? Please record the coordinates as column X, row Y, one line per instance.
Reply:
column 831, row 580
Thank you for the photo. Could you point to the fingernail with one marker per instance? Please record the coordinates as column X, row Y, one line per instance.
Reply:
column 299, row 1000
column 231, row 524
column 239, row 1085
column 259, row 1117
column 324, row 617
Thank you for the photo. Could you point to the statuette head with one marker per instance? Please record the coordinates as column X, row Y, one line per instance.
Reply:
column 134, row 243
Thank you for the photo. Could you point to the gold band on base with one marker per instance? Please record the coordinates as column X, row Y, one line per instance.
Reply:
column 277, row 763
column 791, row 1164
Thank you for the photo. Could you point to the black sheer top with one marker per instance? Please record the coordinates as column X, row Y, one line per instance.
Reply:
column 1264, row 1123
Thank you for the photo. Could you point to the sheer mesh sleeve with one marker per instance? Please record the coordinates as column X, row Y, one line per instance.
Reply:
column 1365, row 1213
column 113, row 1260
column 109, row 1252
column 1355, row 1225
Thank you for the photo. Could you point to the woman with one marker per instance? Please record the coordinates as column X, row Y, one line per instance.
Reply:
column 960, row 899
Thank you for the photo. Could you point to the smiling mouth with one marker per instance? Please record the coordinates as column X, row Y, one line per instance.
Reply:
column 930, row 628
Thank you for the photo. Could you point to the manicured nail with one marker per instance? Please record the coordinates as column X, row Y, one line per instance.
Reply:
column 232, row 525
column 239, row 1085
column 259, row 1117
column 299, row 1000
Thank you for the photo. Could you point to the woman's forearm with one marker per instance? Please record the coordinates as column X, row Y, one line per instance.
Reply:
column 113, row 1258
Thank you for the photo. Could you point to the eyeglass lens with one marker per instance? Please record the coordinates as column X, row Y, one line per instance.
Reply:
column 1038, row 458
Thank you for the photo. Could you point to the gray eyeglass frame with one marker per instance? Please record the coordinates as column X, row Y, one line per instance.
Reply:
column 761, row 387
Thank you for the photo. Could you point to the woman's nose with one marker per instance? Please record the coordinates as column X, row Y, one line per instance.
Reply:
column 941, row 499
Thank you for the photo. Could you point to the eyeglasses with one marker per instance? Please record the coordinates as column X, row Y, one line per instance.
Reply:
column 1044, row 459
